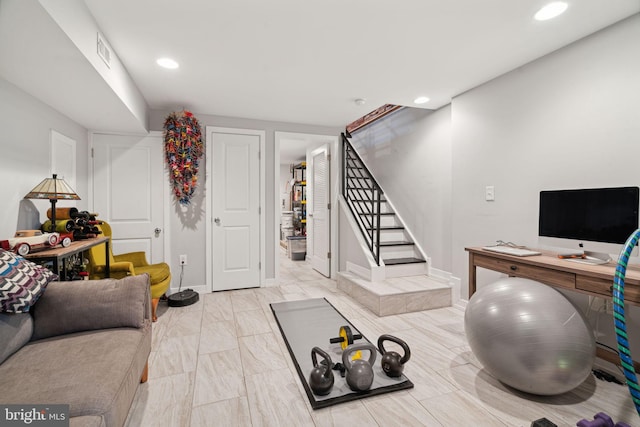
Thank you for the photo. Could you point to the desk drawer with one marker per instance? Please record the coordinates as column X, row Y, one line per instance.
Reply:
column 513, row 268
column 604, row 287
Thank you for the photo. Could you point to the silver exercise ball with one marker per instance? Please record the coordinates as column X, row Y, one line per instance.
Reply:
column 529, row 336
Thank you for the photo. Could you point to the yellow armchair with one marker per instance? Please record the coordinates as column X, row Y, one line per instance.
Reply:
column 129, row 264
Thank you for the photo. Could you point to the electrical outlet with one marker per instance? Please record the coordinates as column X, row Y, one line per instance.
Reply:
column 183, row 260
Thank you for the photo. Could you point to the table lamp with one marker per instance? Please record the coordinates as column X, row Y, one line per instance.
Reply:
column 53, row 189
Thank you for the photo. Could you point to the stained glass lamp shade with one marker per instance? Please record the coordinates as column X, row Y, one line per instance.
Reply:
column 53, row 189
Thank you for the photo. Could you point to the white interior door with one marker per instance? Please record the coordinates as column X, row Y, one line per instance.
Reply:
column 318, row 218
column 128, row 182
column 235, row 209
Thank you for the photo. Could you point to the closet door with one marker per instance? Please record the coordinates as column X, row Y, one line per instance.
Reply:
column 129, row 190
column 318, row 218
column 236, row 212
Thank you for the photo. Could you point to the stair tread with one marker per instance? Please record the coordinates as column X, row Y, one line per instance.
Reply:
column 397, row 243
column 399, row 261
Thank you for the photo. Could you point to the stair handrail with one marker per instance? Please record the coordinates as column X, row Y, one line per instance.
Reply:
column 354, row 194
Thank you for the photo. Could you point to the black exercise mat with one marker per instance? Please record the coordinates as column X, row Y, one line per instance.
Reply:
column 311, row 323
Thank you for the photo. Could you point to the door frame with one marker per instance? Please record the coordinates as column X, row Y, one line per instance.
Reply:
column 166, row 205
column 334, row 191
column 209, row 198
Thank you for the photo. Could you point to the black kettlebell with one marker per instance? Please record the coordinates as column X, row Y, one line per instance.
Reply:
column 392, row 362
column 359, row 372
column 321, row 377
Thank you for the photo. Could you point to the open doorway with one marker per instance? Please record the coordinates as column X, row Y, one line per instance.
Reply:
column 293, row 175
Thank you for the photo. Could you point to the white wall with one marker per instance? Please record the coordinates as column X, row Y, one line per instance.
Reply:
column 187, row 224
column 26, row 125
column 568, row 120
column 75, row 19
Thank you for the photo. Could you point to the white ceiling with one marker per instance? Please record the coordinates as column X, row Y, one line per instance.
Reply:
column 306, row 61
column 299, row 61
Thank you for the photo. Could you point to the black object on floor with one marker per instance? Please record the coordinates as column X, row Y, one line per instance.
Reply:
column 605, row 376
column 543, row 422
column 310, row 323
column 183, row 298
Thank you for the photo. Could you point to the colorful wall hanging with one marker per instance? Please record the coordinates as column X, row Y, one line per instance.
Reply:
column 183, row 148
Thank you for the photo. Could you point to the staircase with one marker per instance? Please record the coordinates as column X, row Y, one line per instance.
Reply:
column 387, row 238
column 403, row 283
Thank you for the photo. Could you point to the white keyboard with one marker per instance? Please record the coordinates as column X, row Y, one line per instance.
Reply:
column 508, row 250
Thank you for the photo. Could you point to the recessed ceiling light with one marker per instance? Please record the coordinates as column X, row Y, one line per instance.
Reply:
column 551, row 10
column 421, row 100
column 167, row 63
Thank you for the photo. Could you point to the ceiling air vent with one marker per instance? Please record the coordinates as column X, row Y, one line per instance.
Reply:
column 103, row 51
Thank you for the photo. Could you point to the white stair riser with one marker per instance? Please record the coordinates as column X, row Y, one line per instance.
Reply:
column 366, row 207
column 403, row 270
column 385, row 220
column 389, row 220
column 398, row 252
column 393, row 236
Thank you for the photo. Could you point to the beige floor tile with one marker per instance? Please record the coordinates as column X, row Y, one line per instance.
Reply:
column 218, row 336
column 352, row 414
column 427, row 383
column 228, row 413
column 252, row 322
column 184, row 322
column 438, row 334
column 274, row 400
column 217, row 306
column 219, row 376
column 268, row 295
column 459, row 409
column 260, row 353
column 163, row 401
column 399, row 409
column 244, row 301
column 175, row 355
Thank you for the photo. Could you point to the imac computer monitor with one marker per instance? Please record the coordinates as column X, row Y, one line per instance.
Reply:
column 597, row 221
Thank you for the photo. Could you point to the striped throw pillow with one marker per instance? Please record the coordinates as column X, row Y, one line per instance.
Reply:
column 21, row 282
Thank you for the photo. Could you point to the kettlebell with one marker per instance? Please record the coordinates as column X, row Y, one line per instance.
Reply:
column 321, row 377
column 359, row 372
column 392, row 362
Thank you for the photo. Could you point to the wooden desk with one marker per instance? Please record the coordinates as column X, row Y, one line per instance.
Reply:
column 594, row 280
column 59, row 255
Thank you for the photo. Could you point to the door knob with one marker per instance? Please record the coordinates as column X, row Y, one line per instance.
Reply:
column 157, row 231
column 216, row 220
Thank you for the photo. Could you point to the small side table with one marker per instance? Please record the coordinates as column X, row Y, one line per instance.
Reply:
column 59, row 255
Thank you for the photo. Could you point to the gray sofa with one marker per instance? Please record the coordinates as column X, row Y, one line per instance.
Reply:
column 83, row 343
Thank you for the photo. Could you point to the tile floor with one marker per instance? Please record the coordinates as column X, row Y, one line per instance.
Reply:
column 223, row 362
